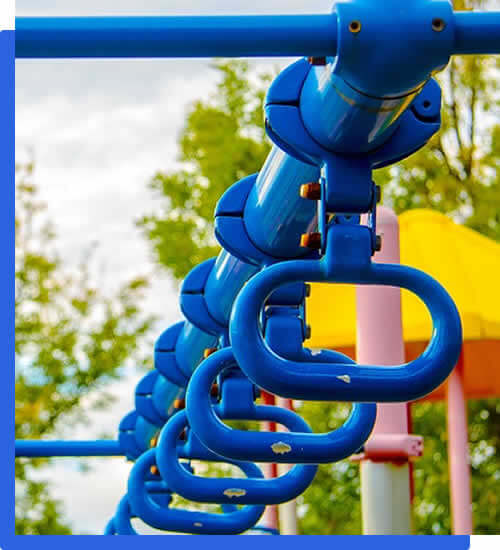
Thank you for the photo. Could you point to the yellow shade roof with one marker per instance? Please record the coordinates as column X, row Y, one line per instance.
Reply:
column 466, row 263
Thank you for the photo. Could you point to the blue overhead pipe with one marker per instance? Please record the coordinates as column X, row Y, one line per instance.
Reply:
column 176, row 36
column 216, row 36
column 40, row 448
column 477, row 33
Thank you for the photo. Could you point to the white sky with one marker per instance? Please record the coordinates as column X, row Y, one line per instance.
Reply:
column 99, row 130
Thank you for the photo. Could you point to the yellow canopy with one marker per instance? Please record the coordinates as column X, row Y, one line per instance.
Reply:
column 466, row 263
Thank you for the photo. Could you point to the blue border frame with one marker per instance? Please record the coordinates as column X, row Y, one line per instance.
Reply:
column 7, row 538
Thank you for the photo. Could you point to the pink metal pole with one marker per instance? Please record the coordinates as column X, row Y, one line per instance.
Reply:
column 287, row 510
column 385, row 486
column 270, row 518
column 458, row 454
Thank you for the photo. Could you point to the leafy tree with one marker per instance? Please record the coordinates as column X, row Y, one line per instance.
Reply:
column 456, row 173
column 71, row 340
column 223, row 141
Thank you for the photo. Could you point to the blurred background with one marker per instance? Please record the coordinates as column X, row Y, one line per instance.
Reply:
column 119, row 166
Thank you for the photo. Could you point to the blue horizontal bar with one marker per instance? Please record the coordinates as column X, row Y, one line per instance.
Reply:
column 37, row 448
column 176, row 36
column 477, row 32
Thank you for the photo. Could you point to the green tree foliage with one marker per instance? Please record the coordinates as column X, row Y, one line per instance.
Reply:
column 70, row 340
column 456, row 173
column 223, row 141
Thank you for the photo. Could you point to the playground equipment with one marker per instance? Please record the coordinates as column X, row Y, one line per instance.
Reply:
column 333, row 120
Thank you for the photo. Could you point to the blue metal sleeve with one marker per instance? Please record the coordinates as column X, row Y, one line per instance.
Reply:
column 190, row 347
column 226, row 278
column 477, row 33
column 176, row 36
column 37, row 448
column 275, row 196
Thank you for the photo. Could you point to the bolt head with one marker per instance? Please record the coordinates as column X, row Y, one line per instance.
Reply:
column 438, row 24
column 207, row 352
column 311, row 191
column 311, row 240
column 355, row 26
column 317, row 60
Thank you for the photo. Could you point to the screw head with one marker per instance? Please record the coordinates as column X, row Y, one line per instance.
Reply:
column 311, row 240
column 355, row 26
column 317, row 60
column 438, row 24
column 154, row 470
column 180, row 404
column 311, row 191
column 207, row 352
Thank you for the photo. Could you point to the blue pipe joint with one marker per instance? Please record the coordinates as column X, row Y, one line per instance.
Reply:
column 135, row 435
column 155, row 397
column 296, row 446
column 126, row 436
column 164, row 355
column 184, row 521
column 345, row 105
column 202, row 301
column 346, row 260
column 247, row 211
column 190, row 346
column 253, row 490
column 301, row 87
column 192, row 299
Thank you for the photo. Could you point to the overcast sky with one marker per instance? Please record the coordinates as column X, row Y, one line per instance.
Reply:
column 99, row 129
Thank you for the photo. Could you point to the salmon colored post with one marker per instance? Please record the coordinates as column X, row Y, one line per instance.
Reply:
column 385, row 482
column 287, row 510
column 270, row 518
column 458, row 454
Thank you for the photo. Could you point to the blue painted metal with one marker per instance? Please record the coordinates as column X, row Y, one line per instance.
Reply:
column 182, row 520
column 264, row 35
column 254, row 490
column 40, row 448
column 164, row 355
column 126, row 436
column 190, row 345
column 477, row 33
column 176, row 36
column 333, row 122
column 297, row 445
column 209, row 290
column 347, row 260
column 245, row 217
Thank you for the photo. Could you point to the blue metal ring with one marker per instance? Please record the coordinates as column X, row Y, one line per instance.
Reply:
column 183, row 521
column 254, row 490
column 319, row 381
column 283, row 447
